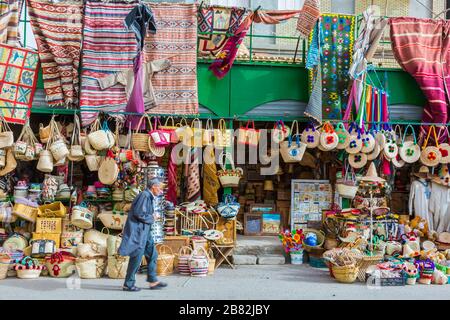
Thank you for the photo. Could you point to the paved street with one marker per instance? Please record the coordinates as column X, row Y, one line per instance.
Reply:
column 246, row 282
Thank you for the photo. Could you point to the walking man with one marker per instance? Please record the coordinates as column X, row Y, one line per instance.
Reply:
column 137, row 240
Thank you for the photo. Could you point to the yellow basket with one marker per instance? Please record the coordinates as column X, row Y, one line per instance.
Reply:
column 48, row 225
column 55, row 209
column 48, row 236
column 25, row 212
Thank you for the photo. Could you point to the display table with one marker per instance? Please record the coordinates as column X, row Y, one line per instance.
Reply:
column 221, row 253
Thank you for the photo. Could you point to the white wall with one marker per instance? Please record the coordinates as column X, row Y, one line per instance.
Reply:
column 343, row 6
column 419, row 11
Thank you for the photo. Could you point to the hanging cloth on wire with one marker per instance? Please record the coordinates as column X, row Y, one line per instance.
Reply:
column 139, row 20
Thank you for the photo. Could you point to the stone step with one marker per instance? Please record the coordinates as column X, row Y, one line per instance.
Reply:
column 271, row 259
column 244, row 259
column 246, row 245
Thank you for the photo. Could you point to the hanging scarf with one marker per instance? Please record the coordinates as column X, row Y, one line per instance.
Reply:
column 193, row 176
column 9, row 21
column 225, row 58
column 171, row 194
column 211, row 182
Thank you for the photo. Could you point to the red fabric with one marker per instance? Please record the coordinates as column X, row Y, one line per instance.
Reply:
column 136, row 102
column 421, row 47
column 171, row 194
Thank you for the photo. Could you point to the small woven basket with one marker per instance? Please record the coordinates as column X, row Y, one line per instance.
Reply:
column 345, row 274
column 320, row 239
column 165, row 261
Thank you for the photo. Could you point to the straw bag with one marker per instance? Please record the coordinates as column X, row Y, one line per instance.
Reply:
column 248, row 135
column 184, row 133
column 11, row 163
column 160, row 137
column 197, row 133
column 25, row 209
column 42, row 247
column 310, row 136
column 343, row 136
column 222, row 136
column 70, row 239
column 164, row 263
column 170, row 129
column 101, row 137
column 92, row 268
column 44, row 132
column 345, row 274
column 82, row 217
column 6, row 135
column 409, row 150
column 55, row 209
column 199, row 263
column 93, row 162
column 60, row 265
column 357, row 160
column 117, row 266
column 347, row 187
column 97, row 237
column 108, row 171
column 15, row 242
column 368, row 142
column 292, row 151
column 229, row 177
column 140, row 141
column 28, row 268
column 76, row 149
column 58, row 146
column 212, row 262
column 91, row 250
column 355, row 145
column 113, row 244
column 444, row 148
column 113, row 220
column 182, row 260
column 280, row 132
column 5, row 263
column 329, row 139
column 208, row 133
column 430, row 155
column 24, row 146
column 390, row 149
column 6, row 215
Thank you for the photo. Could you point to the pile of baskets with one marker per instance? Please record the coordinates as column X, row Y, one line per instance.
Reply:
column 343, row 264
column 196, row 263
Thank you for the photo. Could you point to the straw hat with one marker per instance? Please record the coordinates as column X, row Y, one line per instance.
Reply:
column 424, row 172
column 372, row 175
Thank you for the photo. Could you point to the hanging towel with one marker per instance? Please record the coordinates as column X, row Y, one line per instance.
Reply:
column 308, row 17
column 58, row 29
column 421, row 47
column 9, row 21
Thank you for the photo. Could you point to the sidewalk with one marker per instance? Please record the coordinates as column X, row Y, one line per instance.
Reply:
column 246, row 282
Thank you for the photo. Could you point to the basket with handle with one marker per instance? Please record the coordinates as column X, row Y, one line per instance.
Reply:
column 58, row 146
column 170, row 129
column 6, row 134
column 199, row 262
column 76, row 152
column 60, row 264
column 55, row 209
column 182, row 260
column 90, row 268
column 164, row 263
column 347, row 187
column 345, row 274
column 48, row 225
column 223, row 137
column 160, row 137
column 229, row 177
column 5, row 263
column 140, row 141
column 26, row 210
column 320, row 239
column 212, row 262
column 117, row 266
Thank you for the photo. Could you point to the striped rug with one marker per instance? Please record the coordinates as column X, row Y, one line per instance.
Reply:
column 57, row 28
column 176, row 40
column 108, row 47
column 9, row 21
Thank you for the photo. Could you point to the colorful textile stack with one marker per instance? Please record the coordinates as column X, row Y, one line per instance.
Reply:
column 9, row 21
column 336, row 56
column 217, row 19
column 108, row 47
column 18, row 79
column 57, row 28
column 176, row 39
column 422, row 48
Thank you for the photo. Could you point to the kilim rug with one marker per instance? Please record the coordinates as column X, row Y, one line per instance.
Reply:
column 9, row 21
column 108, row 47
column 57, row 28
column 176, row 40
column 337, row 51
column 217, row 19
column 18, row 79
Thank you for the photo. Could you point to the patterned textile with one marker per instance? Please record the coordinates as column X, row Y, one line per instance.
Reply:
column 108, row 47
column 18, row 79
column 176, row 39
column 308, row 17
column 211, row 182
column 171, row 194
column 193, row 176
column 9, row 21
column 422, row 48
column 225, row 58
column 337, row 50
column 217, row 19
column 314, row 108
column 57, row 28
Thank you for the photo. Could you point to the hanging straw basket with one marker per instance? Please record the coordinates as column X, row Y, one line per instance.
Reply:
column 164, row 263
column 140, row 141
column 345, row 274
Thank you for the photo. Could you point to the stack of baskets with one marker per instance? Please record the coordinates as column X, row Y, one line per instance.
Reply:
column 343, row 264
column 165, row 261
column 320, row 239
column 50, row 221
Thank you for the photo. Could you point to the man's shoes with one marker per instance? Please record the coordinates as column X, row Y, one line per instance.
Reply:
column 158, row 286
column 132, row 289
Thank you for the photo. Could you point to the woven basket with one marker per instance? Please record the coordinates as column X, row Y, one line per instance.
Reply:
column 48, row 236
column 183, row 257
column 346, row 191
column 345, row 274
column 29, row 273
column 5, row 262
column 90, row 268
column 117, row 266
column 164, row 263
column 140, row 141
column 48, row 225
column 25, row 212
column 55, row 209
column 320, row 239
column 212, row 262
column 364, row 262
